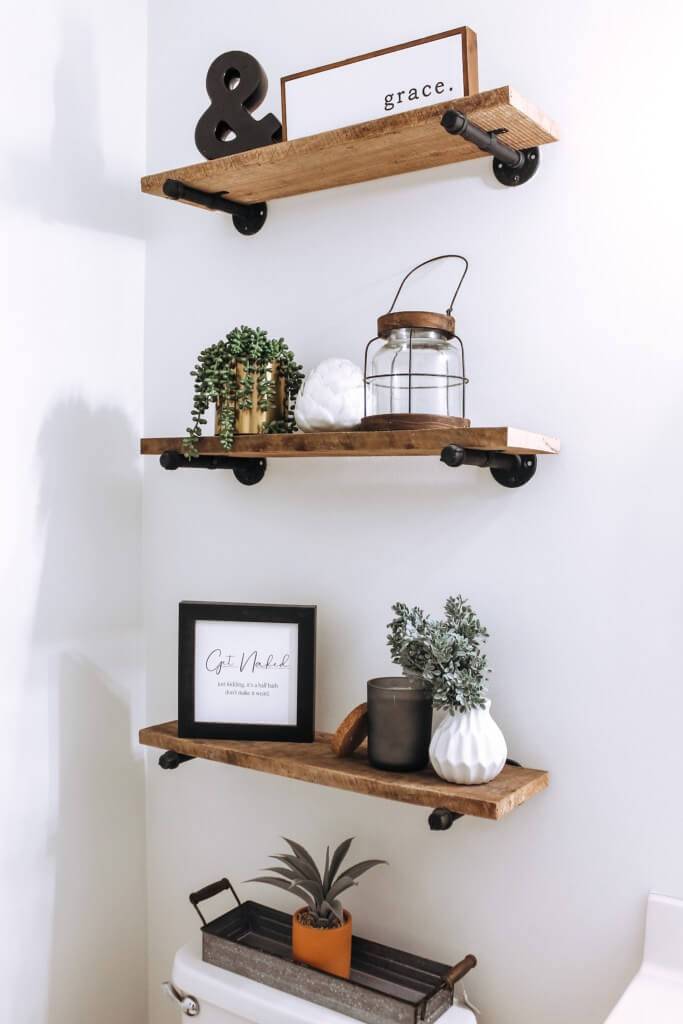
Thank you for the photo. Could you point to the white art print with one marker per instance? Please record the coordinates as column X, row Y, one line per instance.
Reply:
column 246, row 672
column 412, row 75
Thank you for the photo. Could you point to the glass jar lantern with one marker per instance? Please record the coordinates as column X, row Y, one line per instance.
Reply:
column 416, row 376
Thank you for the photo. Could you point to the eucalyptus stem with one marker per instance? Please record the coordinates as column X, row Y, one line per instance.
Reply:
column 447, row 653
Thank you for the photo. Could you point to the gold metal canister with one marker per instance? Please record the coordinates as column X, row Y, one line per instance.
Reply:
column 255, row 420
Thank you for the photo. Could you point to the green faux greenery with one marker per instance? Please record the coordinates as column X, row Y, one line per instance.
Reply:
column 319, row 890
column 446, row 652
column 216, row 380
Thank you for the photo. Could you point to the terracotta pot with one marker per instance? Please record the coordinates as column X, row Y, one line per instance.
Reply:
column 328, row 949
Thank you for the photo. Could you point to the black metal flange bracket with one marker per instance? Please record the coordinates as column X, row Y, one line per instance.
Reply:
column 510, row 166
column 247, row 471
column 248, row 219
column 507, row 469
column 170, row 759
column 441, row 819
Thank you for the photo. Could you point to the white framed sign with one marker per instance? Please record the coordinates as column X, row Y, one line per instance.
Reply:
column 389, row 81
column 246, row 671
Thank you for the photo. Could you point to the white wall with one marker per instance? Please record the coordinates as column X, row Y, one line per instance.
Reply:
column 572, row 322
column 71, row 277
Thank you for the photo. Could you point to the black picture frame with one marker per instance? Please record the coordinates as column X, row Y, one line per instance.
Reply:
column 303, row 616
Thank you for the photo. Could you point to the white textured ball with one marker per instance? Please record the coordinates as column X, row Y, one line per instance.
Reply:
column 331, row 397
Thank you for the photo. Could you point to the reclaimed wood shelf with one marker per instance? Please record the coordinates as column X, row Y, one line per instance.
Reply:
column 315, row 762
column 410, row 141
column 359, row 443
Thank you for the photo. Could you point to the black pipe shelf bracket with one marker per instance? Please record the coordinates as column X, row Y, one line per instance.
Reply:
column 441, row 819
column 247, row 471
column 507, row 469
column 247, row 218
column 511, row 166
column 171, row 759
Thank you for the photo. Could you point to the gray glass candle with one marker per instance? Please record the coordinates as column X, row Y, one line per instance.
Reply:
column 399, row 723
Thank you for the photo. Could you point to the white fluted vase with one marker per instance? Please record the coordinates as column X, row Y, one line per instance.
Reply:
column 468, row 747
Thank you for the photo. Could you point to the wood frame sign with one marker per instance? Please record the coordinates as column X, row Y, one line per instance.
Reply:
column 246, row 671
column 373, row 85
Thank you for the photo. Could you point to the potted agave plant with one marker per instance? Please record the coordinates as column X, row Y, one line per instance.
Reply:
column 321, row 929
column 467, row 747
column 252, row 380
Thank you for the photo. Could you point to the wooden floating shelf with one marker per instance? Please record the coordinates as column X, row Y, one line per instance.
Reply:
column 315, row 762
column 361, row 443
column 409, row 141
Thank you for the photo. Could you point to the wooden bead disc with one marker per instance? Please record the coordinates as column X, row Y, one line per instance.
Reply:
column 351, row 733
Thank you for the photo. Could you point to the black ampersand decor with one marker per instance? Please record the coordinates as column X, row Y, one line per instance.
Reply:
column 236, row 84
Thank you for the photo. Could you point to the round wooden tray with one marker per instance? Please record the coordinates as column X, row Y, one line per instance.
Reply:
column 410, row 421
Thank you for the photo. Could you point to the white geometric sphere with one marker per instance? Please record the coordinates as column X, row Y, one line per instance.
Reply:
column 468, row 748
column 331, row 397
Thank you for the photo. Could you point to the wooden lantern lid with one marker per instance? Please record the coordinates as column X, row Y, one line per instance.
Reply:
column 415, row 318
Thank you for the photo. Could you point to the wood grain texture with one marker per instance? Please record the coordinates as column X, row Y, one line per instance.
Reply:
column 410, row 141
column 351, row 732
column 415, row 318
column 316, row 762
column 366, row 443
column 393, row 421
column 470, row 62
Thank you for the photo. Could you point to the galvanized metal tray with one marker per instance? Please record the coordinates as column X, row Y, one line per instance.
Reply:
column 387, row 986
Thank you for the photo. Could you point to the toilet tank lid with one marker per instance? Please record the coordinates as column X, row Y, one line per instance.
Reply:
column 261, row 1004
column 242, row 997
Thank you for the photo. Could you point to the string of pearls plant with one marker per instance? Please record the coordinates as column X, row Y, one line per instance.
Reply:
column 225, row 373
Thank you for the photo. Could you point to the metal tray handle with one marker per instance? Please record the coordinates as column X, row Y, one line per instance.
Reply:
column 212, row 890
column 460, row 970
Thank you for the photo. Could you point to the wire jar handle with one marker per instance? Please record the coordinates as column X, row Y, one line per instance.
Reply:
column 435, row 259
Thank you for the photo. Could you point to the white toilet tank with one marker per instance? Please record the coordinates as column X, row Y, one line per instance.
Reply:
column 226, row 998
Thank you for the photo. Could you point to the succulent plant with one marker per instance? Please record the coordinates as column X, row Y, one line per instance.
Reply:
column 447, row 653
column 217, row 379
column 319, row 891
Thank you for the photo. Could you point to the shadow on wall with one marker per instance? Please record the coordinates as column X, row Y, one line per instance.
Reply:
column 89, row 509
column 97, row 969
column 87, row 619
column 73, row 184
